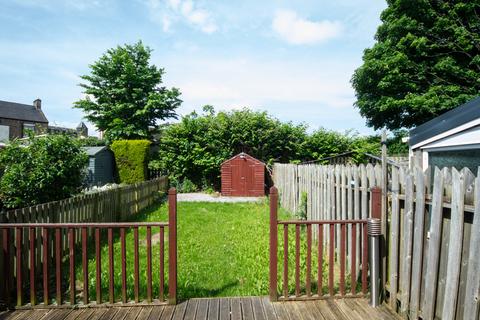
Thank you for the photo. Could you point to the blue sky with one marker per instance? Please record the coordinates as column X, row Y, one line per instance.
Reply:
column 293, row 59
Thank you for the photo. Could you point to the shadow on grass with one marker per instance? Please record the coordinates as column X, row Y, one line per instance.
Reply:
column 191, row 291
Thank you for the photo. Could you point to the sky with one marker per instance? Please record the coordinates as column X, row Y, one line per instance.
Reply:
column 293, row 59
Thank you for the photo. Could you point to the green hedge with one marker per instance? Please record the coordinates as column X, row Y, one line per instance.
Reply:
column 131, row 157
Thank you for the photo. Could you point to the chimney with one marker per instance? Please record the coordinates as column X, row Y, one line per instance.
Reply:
column 37, row 104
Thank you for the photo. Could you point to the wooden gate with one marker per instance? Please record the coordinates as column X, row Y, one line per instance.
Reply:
column 52, row 280
column 316, row 284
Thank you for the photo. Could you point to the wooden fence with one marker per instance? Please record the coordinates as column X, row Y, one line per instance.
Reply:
column 319, row 273
column 112, row 205
column 433, row 230
column 54, row 281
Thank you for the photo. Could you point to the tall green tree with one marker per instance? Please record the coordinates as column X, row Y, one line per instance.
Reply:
column 426, row 61
column 124, row 96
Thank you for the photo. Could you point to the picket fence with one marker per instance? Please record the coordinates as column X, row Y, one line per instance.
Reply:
column 433, row 229
column 111, row 205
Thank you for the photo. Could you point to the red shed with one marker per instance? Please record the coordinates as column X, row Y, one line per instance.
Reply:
column 243, row 175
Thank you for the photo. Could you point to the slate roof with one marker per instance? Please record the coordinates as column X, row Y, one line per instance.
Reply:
column 449, row 120
column 20, row 111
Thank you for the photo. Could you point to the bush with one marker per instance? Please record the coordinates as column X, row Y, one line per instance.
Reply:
column 92, row 142
column 45, row 169
column 131, row 157
column 195, row 147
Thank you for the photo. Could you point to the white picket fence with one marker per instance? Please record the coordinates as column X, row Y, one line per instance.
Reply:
column 433, row 230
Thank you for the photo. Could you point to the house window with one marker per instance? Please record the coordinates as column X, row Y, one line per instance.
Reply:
column 4, row 133
column 28, row 127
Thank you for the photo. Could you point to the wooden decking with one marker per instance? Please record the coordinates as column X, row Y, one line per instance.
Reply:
column 254, row 308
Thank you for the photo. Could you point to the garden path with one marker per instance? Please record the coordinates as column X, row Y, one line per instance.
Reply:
column 205, row 197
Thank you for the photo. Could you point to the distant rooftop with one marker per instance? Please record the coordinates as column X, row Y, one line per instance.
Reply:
column 20, row 111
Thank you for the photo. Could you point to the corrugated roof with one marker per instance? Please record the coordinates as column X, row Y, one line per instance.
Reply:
column 20, row 111
column 91, row 151
column 447, row 121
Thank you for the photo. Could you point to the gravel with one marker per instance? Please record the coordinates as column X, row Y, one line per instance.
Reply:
column 204, row 197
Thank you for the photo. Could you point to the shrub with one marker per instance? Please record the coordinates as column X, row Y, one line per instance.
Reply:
column 186, row 186
column 45, row 169
column 131, row 158
column 195, row 147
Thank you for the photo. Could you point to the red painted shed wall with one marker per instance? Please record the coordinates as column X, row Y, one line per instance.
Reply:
column 243, row 176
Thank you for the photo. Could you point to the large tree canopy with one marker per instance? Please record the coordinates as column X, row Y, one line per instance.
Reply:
column 426, row 60
column 123, row 93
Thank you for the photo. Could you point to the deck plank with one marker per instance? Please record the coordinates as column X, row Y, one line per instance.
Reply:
column 191, row 309
column 167, row 313
column 122, row 313
column 213, row 308
column 235, row 309
column 110, row 314
column 202, row 309
column 268, row 309
column 323, row 309
column 309, row 311
column 257, row 307
column 156, row 313
column 292, row 311
column 280, row 311
column 133, row 313
column 180, row 311
column 98, row 313
column 247, row 310
column 80, row 314
column 224, row 309
column 347, row 310
column 144, row 313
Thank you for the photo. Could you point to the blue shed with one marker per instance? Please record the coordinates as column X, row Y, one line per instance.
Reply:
column 100, row 166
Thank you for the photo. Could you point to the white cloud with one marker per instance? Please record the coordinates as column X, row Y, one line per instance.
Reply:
column 295, row 30
column 181, row 10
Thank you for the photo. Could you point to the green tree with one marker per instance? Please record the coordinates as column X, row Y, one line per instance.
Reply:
column 192, row 150
column 426, row 61
column 123, row 93
column 45, row 169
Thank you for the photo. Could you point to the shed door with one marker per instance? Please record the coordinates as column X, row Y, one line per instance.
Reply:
column 239, row 181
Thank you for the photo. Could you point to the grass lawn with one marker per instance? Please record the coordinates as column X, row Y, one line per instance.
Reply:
column 223, row 250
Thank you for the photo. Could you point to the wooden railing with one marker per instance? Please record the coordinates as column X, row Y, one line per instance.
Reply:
column 327, row 230
column 47, row 278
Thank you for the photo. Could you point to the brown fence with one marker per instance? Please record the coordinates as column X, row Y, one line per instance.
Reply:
column 23, row 281
column 433, row 229
column 110, row 205
column 324, row 286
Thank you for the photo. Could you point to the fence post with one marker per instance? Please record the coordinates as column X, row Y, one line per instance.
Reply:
column 376, row 210
column 273, row 243
column 3, row 261
column 172, row 246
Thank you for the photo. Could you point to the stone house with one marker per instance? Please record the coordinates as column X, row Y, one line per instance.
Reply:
column 16, row 119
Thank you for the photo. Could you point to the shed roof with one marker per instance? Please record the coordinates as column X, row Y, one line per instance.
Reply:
column 91, row 151
column 245, row 155
column 463, row 114
column 20, row 111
